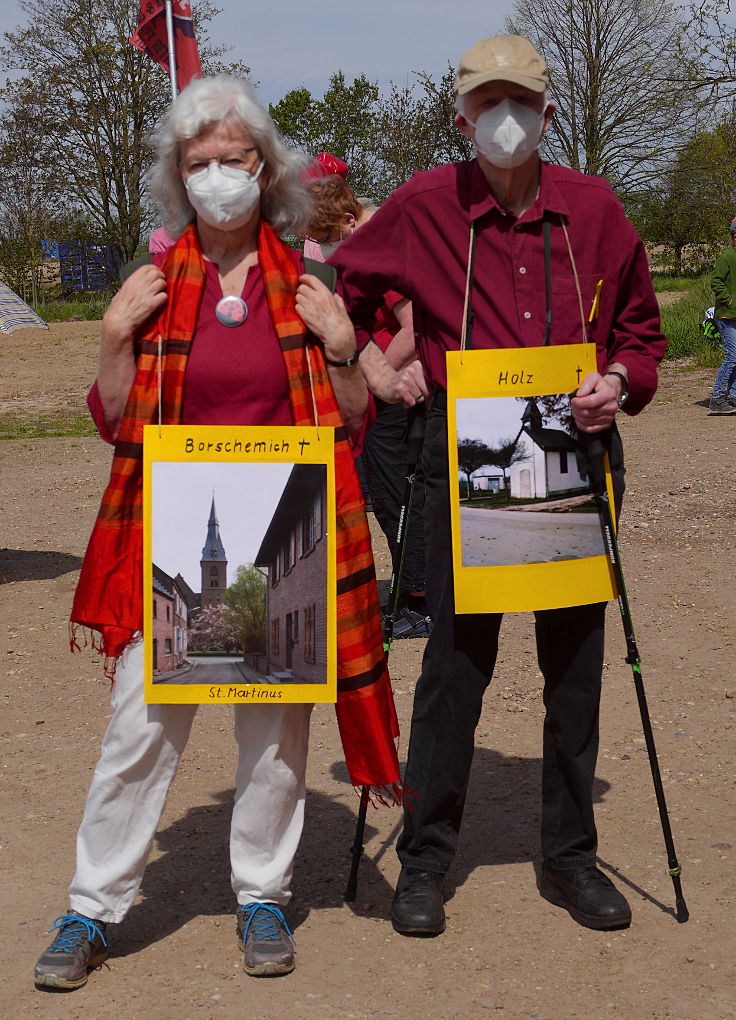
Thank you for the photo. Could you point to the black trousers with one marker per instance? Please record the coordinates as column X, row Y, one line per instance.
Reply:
column 458, row 665
column 384, row 463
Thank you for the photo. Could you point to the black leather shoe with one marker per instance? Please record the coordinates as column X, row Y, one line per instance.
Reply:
column 589, row 895
column 418, row 906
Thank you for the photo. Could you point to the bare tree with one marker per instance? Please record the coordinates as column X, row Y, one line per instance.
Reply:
column 616, row 71
column 504, row 454
column 711, row 38
column 416, row 130
column 98, row 98
column 472, row 454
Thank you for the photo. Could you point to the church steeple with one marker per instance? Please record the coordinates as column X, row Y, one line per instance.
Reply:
column 213, row 562
column 213, row 547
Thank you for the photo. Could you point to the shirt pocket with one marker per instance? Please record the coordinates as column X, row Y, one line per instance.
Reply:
column 568, row 325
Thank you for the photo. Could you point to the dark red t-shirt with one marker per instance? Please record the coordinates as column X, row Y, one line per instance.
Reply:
column 235, row 375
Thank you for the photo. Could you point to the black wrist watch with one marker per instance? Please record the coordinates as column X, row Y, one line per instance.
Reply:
column 352, row 360
column 624, row 387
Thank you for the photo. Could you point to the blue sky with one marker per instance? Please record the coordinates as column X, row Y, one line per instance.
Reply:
column 293, row 43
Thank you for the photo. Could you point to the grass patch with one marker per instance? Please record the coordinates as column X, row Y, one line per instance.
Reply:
column 681, row 323
column 90, row 307
column 665, row 282
column 48, row 426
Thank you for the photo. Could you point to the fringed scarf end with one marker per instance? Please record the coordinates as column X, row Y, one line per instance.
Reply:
column 386, row 795
column 81, row 637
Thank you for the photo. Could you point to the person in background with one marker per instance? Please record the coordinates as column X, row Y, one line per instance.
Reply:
column 337, row 214
column 723, row 285
column 325, row 165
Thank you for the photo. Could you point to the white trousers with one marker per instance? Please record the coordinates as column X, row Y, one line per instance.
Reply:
column 140, row 754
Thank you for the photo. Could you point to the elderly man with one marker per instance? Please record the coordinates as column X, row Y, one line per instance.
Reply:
column 420, row 243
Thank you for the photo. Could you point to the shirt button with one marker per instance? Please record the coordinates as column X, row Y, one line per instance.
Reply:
column 522, row 269
column 527, row 315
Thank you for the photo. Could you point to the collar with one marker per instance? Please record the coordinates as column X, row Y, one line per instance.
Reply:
column 483, row 201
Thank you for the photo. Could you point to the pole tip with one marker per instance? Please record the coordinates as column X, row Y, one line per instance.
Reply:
column 683, row 914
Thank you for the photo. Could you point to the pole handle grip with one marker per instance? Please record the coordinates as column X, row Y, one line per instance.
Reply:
column 593, row 452
column 415, row 435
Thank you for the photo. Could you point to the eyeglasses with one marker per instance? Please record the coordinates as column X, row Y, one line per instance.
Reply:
column 234, row 159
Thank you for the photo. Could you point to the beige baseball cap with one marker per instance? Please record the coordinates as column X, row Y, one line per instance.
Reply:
column 501, row 58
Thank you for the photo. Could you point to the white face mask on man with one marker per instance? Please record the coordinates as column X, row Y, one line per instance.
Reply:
column 508, row 133
column 223, row 196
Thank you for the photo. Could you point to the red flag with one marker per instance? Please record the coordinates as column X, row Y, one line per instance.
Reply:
column 150, row 37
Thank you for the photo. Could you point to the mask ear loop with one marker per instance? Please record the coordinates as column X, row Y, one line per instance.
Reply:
column 466, row 331
column 159, row 386
column 577, row 282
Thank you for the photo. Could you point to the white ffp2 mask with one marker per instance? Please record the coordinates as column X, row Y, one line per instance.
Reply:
column 222, row 196
column 508, row 133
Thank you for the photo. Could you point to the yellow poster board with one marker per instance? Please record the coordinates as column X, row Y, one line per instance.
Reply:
column 239, row 564
column 525, row 529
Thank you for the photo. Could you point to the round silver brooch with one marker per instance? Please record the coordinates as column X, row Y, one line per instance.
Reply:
column 231, row 310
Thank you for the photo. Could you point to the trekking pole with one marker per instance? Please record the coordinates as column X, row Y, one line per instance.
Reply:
column 414, row 441
column 592, row 449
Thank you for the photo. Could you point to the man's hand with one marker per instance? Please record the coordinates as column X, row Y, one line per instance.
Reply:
column 406, row 386
column 411, row 387
column 596, row 401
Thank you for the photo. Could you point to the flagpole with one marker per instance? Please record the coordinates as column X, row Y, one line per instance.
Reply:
column 172, row 53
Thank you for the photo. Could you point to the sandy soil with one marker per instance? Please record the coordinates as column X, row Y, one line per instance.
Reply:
column 506, row 953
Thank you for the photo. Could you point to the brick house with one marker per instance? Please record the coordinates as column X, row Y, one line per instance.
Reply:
column 294, row 550
column 171, row 605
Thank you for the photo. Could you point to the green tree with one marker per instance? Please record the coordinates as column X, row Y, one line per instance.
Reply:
column 98, row 99
column 685, row 220
column 617, row 75
column 342, row 122
column 246, row 603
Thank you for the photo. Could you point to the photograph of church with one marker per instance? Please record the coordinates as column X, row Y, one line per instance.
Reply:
column 239, row 582
column 523, row 498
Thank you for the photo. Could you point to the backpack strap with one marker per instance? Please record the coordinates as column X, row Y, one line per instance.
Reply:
column 130, row 267
column 327, row 274
column 324, row 272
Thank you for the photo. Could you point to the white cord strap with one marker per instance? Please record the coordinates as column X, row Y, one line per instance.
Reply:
column 468, row 281
column 577, row 281
column 159, row 384
column 307, row 351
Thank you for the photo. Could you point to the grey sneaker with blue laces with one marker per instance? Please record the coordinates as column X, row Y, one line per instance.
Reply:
column 78, row 947
column 266, row 940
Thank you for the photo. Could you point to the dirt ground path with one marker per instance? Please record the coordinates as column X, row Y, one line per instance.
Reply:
column 506, row 953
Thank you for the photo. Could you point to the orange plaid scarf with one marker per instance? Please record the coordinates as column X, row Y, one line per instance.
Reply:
column 109, row 596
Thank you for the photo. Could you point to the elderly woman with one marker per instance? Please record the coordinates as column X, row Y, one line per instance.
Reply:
column 214, row 331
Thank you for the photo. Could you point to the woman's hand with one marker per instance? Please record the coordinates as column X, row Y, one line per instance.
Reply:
column 141, row 295
column 323, row 313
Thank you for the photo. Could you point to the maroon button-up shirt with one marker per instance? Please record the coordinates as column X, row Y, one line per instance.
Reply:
column 417, row 244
